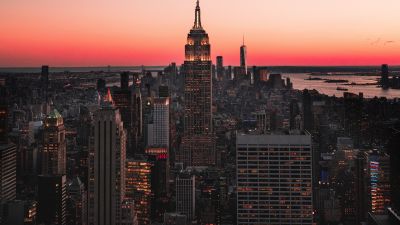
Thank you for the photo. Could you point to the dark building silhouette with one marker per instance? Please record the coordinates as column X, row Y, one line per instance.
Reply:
column 101, row 85
column 44, row 79
column 307, row 111
column 220, row 67
column 159, row 159
column 52, row 197
column 3, row 114
column 125, row 80
column 394, row 152
column 243, row 57
column 385, row 76
column 163, row 91
column 197, row 148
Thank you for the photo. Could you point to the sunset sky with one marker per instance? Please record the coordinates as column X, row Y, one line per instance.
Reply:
column 153, row 32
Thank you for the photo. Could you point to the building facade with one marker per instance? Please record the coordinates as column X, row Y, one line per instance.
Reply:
column 197, row 147
column 274, row 179
column 54, row 145
column 106, row 166
column 186, row 196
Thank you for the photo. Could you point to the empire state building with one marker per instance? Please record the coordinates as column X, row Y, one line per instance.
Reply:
column 197, row 147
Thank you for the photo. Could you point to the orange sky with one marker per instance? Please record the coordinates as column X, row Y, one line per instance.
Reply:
column 153, row 32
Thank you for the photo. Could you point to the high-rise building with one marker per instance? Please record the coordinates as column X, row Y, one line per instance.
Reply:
column 8, row 167
column 159, row 158
column 138, row 187
column 186, row 195
column 197, row 148
column 106, row 165
column 243, row 57
column 159, row 136
column 3, row 114
column 53, row 154
column 52, row 197
column 163, row 91
column 44, row 79
column 378, row 181
column 274, row 179
column 77, row 207
column 220, row 67
column 125, row 80
column 123, row 99
column 385, row 76
column 393, row 150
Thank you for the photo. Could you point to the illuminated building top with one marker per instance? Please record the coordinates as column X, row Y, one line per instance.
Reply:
column 198, row 46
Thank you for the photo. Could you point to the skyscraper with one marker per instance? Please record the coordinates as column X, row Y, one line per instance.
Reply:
column 160, row 126
column 106, row 166
column 220, row 67
column 385, row 76
column 378, row 180
column 138, row 187
column 52, row 197
column 243, row 57
column 8, row 167
column 3, row 114
column 124, row 80
column 274, row 179
column 54, row 145
column 197, row 147
column 186, row 196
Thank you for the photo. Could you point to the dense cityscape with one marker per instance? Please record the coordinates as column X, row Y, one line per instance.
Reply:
column 201, row 143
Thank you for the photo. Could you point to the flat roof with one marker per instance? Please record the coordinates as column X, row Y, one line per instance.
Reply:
column 246, row 139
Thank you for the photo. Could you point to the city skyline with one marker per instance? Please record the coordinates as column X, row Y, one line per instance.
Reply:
column 277, row 33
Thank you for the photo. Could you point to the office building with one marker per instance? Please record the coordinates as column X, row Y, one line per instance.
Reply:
column 186, row 195
column 8, row 167
column 124, row 80
column 159, row 133
column 385, row 76
column 53, row 154
column 159, row 159
column 106, row 165
column 138, row 187
column 197, row 148
column 274, row 179
column 220, row 68
column 52, row 197
column 378, row 181
column 77, row 198
column 3, row 115
column 243, row 57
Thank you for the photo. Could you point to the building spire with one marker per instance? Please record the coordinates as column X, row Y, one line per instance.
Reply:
column 197, row 20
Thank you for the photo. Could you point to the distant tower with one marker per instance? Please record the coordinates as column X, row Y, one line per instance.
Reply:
column 197, row 148
column 54, row 145
column 124, row 80
column 385, row 76
column 220, row 67
column 106, row 165
column 44, row 79
column 243, row 57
